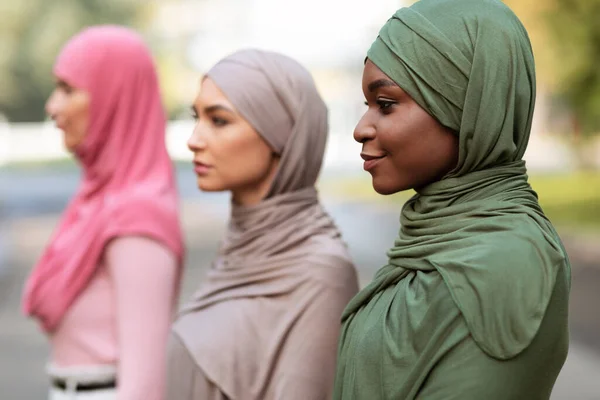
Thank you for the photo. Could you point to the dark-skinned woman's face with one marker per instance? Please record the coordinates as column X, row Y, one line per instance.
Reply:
column 403, row 146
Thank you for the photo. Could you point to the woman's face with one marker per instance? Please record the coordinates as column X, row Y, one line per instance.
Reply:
column 69, row 107
column 228, row 153
column 403, row 146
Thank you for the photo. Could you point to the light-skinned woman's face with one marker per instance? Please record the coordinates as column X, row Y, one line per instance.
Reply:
column 69, row 107
column 228, row 152
column 403, row 146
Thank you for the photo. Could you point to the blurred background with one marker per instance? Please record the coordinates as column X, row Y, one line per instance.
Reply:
column 331, row 38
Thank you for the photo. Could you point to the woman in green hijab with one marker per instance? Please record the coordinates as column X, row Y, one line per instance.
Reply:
column 473, row 302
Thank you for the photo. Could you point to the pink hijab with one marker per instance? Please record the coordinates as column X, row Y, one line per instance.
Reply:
column 128, row 185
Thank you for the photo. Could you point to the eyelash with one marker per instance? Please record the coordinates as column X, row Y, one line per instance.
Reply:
column 65, row 88
column 219, row 121
column 384, row 105
column 215, row 120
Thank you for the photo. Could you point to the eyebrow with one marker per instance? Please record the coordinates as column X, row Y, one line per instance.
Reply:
column 380, row 83
column 218, row 107
column 62, row 84
column 210, row 109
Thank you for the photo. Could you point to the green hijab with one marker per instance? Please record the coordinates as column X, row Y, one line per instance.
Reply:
column 469, row 64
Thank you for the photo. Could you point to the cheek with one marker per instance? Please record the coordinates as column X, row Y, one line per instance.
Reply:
column 394, row 134
column 243, row 160
column 407, row 140
column 250, row 163
column 410, row 135
column 81, row 117
column 76, row 114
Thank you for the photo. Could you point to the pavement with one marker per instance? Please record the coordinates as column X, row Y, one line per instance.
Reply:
column 33, row 212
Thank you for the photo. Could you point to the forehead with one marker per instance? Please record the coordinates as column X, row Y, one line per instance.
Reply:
column 374, row 78
column 209, row 92
column 372, row 72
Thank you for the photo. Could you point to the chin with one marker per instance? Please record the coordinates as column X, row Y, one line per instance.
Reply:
column 69, row 147
column 385, row 188
column 207, row 186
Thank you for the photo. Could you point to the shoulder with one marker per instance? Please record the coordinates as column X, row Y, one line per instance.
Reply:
column 138, row 250
column 178, row 351
column 510, row 240
column 139, row 245
column 522, row 239
column 331, row 275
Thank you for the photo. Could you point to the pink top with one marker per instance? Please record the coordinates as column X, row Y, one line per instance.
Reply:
column 123, row 317
column 88, row 332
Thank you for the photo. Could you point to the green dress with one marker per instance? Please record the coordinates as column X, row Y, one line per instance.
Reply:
column 473, row 303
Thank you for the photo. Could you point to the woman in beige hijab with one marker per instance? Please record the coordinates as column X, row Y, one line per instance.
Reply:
column 266, row 322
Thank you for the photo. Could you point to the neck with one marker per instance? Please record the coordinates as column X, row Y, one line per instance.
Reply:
column 253, row 194
column 248, row 197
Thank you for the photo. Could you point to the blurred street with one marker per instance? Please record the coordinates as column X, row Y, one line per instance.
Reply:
column 32, row 201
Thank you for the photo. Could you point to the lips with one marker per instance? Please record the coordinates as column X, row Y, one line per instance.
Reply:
column 371, row 160
column 201, row 168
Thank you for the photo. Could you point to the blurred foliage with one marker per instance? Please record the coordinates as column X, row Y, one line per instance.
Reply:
column 571, row 200
column 575, row 30
column 532, row 14
column 31, row 35
column 565, row 35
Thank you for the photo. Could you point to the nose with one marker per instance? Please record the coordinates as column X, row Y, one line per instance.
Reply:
column 196, row 142
column 365, row 130
column 53, row 104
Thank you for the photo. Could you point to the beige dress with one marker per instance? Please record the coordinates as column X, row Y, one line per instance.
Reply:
column 187, row 380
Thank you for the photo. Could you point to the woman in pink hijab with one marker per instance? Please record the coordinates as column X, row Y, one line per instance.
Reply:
column 105, row 287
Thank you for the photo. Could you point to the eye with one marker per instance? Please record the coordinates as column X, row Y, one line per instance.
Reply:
column 65, row 87
column 194, row 113
column 219, row 121
column 385, row 105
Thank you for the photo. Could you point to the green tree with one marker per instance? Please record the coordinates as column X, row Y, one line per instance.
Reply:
column 31, row 35
column 575, row 29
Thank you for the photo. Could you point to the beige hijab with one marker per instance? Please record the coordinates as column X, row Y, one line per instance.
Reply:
column 266, row 322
